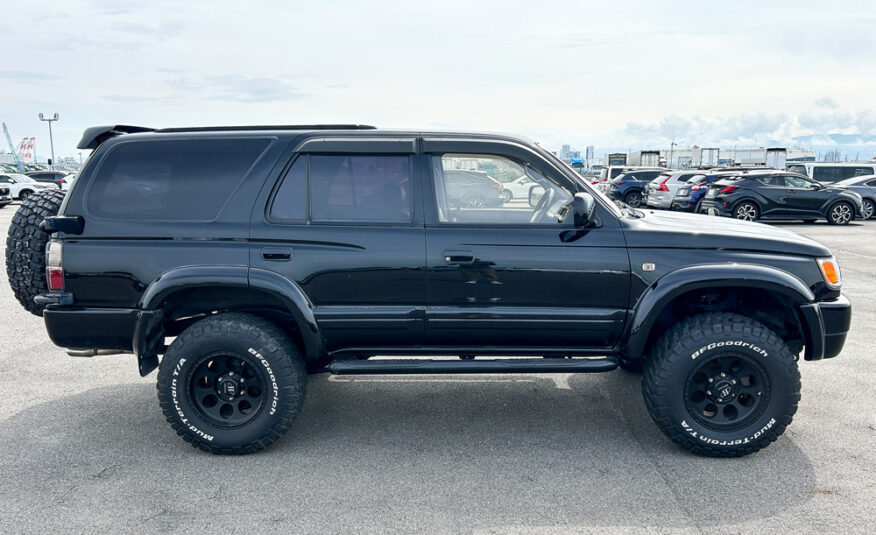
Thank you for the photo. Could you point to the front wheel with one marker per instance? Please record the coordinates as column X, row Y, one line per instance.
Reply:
column 721, row 385
column 868, row 209
column 231, row 383
column 840, row 213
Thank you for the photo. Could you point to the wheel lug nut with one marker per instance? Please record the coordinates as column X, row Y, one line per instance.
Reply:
column 723, row 374
column 711, row 380
column 709, row 392
column 733, row 381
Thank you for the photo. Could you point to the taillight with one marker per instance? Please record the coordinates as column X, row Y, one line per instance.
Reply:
column 662, row 186
column 728, row 189
column 63, row 181
column 696, row 188
column 619, row 182
column 495, row 185
column 54, row 267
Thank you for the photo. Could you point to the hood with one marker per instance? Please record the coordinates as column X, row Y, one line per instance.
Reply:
column 697, row 231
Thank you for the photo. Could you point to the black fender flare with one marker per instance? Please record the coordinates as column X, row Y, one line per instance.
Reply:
column 241, row 276
column 652, row 302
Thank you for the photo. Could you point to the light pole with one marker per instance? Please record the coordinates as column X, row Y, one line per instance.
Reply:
column 671, row 150
column 51, row 141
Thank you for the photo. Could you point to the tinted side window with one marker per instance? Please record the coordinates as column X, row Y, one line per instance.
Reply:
column 872, row 183
column 360, row 188
column 797, row 169
column 183, row 180
column 850, row 172
column 827, row 174
column 290, row 202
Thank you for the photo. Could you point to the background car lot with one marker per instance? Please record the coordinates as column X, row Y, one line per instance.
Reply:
column 85, row 451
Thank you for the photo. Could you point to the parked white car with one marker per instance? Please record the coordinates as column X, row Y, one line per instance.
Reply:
column 517, row 188
column 21, row 186
column 660, row 191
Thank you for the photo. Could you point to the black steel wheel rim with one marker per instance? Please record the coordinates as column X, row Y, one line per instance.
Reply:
column 727, row 392
column 227, row 390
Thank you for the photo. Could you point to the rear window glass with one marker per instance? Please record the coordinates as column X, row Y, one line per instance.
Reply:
column 183, row 180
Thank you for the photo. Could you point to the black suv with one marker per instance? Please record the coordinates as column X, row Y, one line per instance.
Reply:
column 771, row 194
column 267, row 252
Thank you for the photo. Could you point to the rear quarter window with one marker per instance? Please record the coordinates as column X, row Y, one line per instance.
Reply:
column 180, row 179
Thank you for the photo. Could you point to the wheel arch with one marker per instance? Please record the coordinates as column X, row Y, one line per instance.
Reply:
column 187, row 293
column 778, row 289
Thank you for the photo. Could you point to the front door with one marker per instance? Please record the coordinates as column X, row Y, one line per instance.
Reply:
column 516, row 273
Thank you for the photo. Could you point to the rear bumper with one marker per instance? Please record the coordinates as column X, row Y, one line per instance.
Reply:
column 92, row 328
column 827, row 324
column 683, row 205
column 719, row 206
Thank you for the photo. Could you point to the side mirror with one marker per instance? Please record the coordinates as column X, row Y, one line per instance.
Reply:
column 816, row 186
column 582, row 209
column 536, row 192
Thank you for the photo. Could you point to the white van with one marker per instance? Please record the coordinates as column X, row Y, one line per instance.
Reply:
column 828, row 173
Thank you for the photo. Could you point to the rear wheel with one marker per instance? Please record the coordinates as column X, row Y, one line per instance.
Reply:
column 26, row 248
column 868, row 209
column 747, row 211
column 633, row 198
column 506, row 195
column 721, row 385
column 231, row 383
column 840, row 213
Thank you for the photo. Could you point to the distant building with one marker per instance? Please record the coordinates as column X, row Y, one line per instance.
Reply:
column 589, row 152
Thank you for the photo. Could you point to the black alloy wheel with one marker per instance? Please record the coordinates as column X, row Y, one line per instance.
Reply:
column 227, row 390
column 727, row 391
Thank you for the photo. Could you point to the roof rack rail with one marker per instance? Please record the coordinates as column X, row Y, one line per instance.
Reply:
column 94, row 136
column 270, row 127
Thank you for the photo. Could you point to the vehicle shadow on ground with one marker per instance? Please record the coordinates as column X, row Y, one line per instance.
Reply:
column 429, row 453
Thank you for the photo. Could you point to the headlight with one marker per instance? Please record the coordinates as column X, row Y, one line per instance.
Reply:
column 831, row 272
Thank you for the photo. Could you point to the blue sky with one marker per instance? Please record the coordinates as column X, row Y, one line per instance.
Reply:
column 625, row 74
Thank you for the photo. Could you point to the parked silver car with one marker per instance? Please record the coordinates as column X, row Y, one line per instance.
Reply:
column 660, row 191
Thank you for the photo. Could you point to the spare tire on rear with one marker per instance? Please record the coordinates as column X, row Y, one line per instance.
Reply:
column 26, row 247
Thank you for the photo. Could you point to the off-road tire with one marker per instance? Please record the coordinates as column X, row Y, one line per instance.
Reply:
column 840, row 213
column 264, row 352
column 26, row 248
column 673, row 368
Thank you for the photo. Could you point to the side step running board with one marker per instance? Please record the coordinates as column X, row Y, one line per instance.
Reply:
column 520, row 365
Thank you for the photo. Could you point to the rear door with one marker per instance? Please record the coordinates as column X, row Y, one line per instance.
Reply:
column 344, row 223
column 516, row 276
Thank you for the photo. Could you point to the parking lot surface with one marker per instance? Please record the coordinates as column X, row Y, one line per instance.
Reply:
column 84, row 448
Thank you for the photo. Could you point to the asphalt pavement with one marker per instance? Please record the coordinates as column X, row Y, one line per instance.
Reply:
column 84, row 448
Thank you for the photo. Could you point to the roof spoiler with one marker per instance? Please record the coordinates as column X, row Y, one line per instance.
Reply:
column 94, row 136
